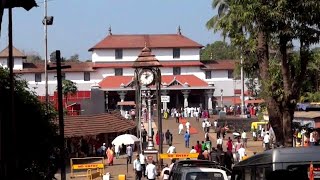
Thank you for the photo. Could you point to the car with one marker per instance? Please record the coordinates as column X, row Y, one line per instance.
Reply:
column 201, row 173
column 179, row 165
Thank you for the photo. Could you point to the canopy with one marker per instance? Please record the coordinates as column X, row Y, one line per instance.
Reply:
column 125, row 139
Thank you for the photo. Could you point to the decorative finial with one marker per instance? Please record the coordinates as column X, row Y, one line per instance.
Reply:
column 179, row 30
column 110, row 32
column 145, row 44
column 211, row 56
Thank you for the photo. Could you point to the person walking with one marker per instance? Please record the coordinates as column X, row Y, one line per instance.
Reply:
column 167, row 135
column 137, row 167
column 187, row 139
column 171, row 149
column 151, row 171
column 203, row 126
column 142, row 159
column 244, row 138
column 180, row 128
column 129, row 153
column 198, row 147
column 266, row 141
column 165, row 172
column 188, row 126
column 117, row 151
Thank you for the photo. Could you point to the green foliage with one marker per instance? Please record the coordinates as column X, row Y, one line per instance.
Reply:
column 69, row 87
column 74, row 58
column 219, row 50
column 35, row 130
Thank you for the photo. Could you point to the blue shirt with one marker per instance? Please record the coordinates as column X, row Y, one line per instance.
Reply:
column 186, row 136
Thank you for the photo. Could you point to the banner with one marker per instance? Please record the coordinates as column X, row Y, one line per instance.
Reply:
column 179, row 156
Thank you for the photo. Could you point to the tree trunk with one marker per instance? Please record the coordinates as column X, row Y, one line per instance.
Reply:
column 275, row 120
column 287, row 117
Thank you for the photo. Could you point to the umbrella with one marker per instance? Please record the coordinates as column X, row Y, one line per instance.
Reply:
column 125, row 139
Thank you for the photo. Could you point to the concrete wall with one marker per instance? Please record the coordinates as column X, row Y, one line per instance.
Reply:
column 163, row 54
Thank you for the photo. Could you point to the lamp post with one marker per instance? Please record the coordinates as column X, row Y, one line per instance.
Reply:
column 47, row 20
column 221, row 98
column 148, row 96
column 242, row 87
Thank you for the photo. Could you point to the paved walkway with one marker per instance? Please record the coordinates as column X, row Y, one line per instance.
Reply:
column 197, row 134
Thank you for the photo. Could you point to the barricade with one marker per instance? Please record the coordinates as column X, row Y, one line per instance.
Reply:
column 98, row 164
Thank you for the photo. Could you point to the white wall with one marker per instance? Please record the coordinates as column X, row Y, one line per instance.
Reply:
column 77, row 77
column 163, row 54
column 18, row 65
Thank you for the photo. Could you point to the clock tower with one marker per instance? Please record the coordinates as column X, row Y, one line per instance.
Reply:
column 147, row 77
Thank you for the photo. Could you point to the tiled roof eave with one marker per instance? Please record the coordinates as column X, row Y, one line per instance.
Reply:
column 162, row 88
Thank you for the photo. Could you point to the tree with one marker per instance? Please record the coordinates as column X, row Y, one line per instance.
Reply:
column 219, row 50
column 256, row 25
column 74, row 58
column 53, row 57
column 68, row 88
column 33, row 58
column 33, row 126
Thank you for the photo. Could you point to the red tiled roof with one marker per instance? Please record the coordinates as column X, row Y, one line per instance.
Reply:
column 152, row 40
column 163, row 64
column 116, row 81
column 39, row 67
column 220, row 64
column 16, row 53
column 84, row 125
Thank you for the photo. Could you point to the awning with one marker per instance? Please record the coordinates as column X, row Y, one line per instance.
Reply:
column 126, row 103
column 254, row 101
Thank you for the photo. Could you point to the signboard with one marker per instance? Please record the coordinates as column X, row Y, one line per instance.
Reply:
column 165, row 99
column 87, row 166
column 179, row 156
column 316, row 172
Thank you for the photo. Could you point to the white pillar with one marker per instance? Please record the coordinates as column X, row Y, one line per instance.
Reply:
column 209, row 94
column 164, row 104
column 122, row 95
column 185, row 95
column 107, row 101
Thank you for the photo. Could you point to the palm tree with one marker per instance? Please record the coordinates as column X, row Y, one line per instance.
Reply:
column 68, row 88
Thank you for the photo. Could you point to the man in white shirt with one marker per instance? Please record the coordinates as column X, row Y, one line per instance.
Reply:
column 204, row 126
column 129, row 152
column 171, row 149
column 266, row 141
column 193, row 150
column 151, row 171
column 219, row 141
column 244, row 138
column 241, row 152
column 165, row 172
column 215, row 123
column 143, row 163
column 117, row 150
column 188, row 126
column 180, row 128
column 137, row 167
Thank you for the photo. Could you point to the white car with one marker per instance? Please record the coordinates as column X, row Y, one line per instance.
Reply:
column 201, row 173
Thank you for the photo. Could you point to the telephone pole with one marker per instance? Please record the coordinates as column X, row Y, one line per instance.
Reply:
column 60, row 112
column 46, row 52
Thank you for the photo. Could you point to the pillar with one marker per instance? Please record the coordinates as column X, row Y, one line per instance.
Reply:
column 107, row 101
column 185, row 96
column 122, row 95
column 164, row 104
column 209, row 94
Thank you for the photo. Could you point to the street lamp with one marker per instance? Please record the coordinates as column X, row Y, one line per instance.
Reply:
column 47, row 20
column 221, row 100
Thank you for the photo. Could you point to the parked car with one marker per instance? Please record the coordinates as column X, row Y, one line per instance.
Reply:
column 183, row 164
column 201, row 173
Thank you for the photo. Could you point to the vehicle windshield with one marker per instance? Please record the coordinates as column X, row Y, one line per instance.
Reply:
column 204, row 176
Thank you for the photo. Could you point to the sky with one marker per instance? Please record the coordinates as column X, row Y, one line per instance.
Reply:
column 80, row 24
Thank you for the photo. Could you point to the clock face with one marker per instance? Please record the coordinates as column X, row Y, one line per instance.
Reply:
column 146, row 77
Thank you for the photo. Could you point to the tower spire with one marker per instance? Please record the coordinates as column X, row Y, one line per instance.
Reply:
column 110, row 31
column 179, row 30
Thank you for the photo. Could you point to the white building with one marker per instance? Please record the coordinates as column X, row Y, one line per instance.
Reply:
column 113, row 57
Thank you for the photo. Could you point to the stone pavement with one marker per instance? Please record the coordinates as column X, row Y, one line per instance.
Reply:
column 197, row 134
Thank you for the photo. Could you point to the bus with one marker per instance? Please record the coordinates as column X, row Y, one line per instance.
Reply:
column 283, row 163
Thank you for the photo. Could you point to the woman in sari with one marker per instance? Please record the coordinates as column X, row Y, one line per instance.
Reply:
column 110, row 156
